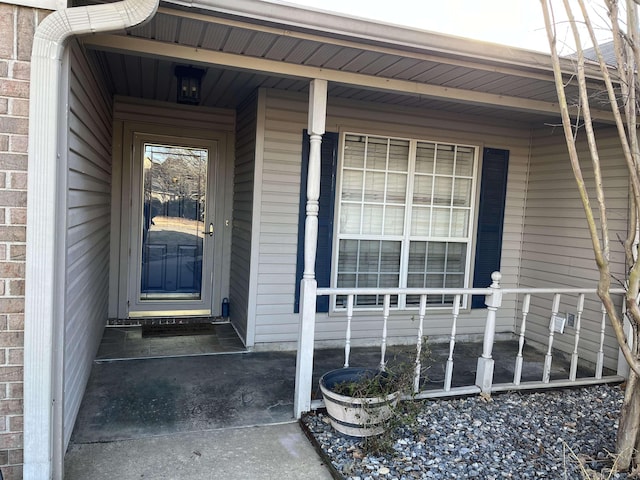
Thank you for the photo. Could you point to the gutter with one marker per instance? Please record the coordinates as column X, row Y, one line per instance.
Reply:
column 44, row 295
column 277, row 12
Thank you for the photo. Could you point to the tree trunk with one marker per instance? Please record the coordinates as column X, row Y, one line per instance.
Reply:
column 628, row 441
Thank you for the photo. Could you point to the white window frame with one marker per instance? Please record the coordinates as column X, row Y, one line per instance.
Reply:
column 406, row 236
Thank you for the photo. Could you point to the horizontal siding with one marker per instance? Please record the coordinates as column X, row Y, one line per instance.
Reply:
column 286, row 117
column 244, row 173
column 557, row 249
column 88, row 220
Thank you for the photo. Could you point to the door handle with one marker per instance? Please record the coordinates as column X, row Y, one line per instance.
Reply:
column 211, row 229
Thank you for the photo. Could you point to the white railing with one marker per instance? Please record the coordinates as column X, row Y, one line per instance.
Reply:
column 484, row 381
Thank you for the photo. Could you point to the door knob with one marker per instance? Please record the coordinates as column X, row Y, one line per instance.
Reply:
column 211, row 229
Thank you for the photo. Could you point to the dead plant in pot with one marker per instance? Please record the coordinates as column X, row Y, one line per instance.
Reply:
column 364, row 402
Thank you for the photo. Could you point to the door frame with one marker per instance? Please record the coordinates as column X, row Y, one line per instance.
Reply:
column 121, row 284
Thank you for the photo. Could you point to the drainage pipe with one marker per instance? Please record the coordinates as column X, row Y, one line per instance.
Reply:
column 44, row 294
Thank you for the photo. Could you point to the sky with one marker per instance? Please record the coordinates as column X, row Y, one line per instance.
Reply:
column 517, row 23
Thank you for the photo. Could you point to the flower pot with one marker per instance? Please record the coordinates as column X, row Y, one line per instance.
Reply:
column 358, row 417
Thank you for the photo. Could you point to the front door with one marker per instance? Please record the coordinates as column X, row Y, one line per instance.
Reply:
column 172, row 228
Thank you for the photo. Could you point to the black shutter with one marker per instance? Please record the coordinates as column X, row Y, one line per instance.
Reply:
column 493, row 191
column 328, row 159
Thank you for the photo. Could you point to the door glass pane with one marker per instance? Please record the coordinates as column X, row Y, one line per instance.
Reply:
column 173, row 221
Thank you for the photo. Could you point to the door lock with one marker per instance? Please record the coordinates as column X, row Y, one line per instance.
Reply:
column 211, row 229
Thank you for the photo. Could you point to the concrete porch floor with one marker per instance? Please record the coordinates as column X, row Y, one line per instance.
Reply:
column 172, row 409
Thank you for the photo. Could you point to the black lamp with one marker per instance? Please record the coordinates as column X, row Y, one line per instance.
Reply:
column 189, row 80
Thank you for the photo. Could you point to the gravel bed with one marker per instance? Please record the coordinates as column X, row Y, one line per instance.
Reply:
column 511, row 435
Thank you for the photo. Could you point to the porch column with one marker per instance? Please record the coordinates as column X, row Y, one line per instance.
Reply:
column 309, row 285
column 484, row 372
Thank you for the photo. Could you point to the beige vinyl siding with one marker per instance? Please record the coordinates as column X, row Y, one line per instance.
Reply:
column 557, row 249
column 88, row 198
column 243, row 183
column 285, row 119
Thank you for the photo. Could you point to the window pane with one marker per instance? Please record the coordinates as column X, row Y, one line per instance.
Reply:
column 417, row 257
column 399, row 155
column 420, row 221
column 348, row 259
column 372, row 219
column 436, row 256
column 350, row 218
column 444, row 159
column 394, row 221
column 459, row 222
column 390, row 257
column 440, row 222
column 377, row 153
column 422, row 186
column 396, row 188
column 424, row 157
column 462, row 192
column 374, row 188
column 456, row 253
column 354, row 151
column 443, row 190
column 352, row 182
column 464, row 161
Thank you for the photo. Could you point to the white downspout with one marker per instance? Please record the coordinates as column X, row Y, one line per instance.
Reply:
column 43, row 319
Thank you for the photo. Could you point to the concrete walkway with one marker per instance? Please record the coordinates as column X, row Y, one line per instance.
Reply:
column 261, row 453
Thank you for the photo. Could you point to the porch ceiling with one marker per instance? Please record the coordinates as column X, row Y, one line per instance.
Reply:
column 241, row 53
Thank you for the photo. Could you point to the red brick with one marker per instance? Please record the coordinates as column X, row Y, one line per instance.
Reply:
column 15, row 456
column 4, row 427
column 3, row 361
column 3, row 215
column 4, row 106
column 2, row 288
column 12, row 124
column 16, row 356
column 19, row 107
column 14, row 88
column 11, row 441
column 16, row 288
column 16, row 390
column 11, row 339
column 16, row 252
column 18, row 216
column 19, row 144
column 18, row 179
column 13, row 198
column 21, row 70
column 4, row 140
column 12, row 472
column 26, row 28
column 10, row 407
column 3, row 181
column 11, row 270
column 4, row 457
column 4, row 67
column 6, row 27
column 13, row 161
column 12, row 234
column 14, row 321
column 12, row 305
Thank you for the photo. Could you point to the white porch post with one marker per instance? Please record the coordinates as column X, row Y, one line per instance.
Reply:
column 309, row 285
column 484, row 372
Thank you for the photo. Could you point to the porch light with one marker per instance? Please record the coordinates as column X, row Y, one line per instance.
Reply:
column 189, row 80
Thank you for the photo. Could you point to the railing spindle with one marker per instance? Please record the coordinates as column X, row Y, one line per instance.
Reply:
column 574, row 356
column 517, row 374
column 600, row 358
column 421, row 314
column 452, row 342
column 383, row 343
column 546, row 373
column 347, row 343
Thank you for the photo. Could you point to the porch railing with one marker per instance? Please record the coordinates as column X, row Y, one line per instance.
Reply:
column 484, row 380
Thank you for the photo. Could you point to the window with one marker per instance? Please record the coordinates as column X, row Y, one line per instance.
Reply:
column 405, row 210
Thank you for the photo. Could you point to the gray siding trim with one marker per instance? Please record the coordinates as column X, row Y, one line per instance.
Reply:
column 243, row 185
column 88, row 219
column 286, row 117
column 557, row 249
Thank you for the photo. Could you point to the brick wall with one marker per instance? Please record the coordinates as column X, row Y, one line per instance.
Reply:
column 17, row 25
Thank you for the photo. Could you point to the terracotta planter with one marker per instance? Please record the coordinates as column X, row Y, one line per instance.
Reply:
column 358, row 417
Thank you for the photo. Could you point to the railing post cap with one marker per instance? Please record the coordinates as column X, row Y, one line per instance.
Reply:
column 495, row 278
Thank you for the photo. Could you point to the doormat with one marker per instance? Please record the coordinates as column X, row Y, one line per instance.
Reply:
column 177, row 329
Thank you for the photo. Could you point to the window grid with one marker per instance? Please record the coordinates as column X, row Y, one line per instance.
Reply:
column 454, row 165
